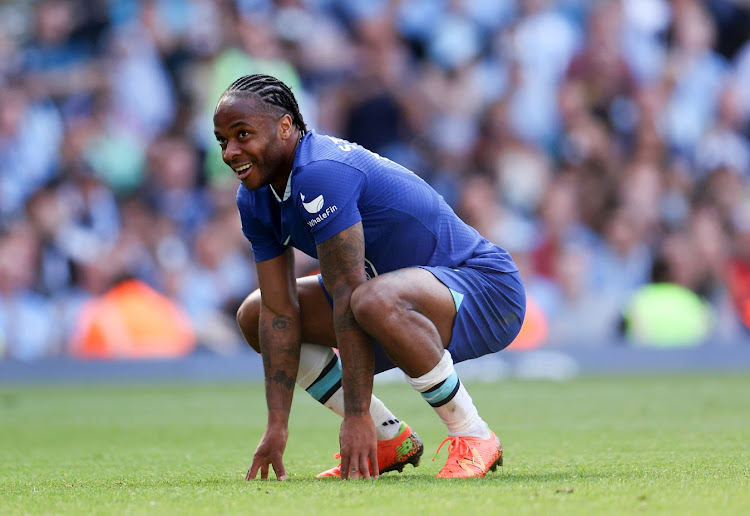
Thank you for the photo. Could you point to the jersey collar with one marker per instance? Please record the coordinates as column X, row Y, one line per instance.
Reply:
column 287, row 190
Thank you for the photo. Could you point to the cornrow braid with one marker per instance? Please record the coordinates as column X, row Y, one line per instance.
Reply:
column 271, row 91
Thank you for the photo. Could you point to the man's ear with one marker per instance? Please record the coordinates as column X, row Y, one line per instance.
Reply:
column 286, row 126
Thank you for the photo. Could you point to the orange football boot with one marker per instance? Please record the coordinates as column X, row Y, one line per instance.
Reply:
column 471, row 456
column 393, row 454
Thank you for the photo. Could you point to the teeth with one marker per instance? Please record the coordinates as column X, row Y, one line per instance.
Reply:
column 243, row 167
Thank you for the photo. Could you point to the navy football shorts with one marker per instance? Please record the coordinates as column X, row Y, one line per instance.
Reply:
column 490, row 308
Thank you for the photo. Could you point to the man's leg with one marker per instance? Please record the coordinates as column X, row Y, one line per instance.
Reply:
column 319, row 372
column 411, row 314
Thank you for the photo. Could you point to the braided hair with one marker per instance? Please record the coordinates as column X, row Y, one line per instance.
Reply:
column 271, row 91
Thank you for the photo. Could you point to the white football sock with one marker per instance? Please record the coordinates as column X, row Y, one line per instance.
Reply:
column 442, row 389
column 319, row 374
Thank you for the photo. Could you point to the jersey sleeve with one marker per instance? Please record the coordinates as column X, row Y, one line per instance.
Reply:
column 261, row 236
column 327, row 197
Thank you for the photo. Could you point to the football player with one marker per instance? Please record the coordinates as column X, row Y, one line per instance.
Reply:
column 404, row 283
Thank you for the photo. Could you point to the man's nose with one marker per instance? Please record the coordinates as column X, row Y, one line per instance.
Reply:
column 231, row 150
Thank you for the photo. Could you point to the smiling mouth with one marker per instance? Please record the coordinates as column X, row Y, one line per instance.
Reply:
column 243, row 171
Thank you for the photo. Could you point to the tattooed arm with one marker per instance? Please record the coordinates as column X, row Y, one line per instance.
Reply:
column 342, row 264
column 279, row 333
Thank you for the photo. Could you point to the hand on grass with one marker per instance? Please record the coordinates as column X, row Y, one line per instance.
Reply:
column 269, row 453
column 359, row 447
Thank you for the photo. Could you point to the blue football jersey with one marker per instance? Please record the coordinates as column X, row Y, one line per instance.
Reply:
column 334, row 184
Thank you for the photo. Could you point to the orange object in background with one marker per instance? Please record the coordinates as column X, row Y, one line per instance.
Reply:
column 131, row 321
column 534, row 329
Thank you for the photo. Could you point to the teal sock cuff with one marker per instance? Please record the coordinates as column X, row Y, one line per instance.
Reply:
column 327, row 382
column 440, row 394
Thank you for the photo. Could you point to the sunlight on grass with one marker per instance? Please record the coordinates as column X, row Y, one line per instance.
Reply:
column 619, row 445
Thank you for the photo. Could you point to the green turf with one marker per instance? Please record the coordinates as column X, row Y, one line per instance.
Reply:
column 618, row 445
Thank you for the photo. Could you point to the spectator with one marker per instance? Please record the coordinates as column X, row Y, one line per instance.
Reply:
column 30, row 138
column 212, row 286
column 25, row 314
column 695, row 74
column 593, row 139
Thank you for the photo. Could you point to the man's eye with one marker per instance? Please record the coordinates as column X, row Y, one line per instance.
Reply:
column 243, row 134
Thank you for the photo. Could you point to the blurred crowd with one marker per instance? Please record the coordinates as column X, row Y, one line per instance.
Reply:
column 604, row 143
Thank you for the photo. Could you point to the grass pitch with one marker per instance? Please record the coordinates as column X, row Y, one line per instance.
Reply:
column 615, row 445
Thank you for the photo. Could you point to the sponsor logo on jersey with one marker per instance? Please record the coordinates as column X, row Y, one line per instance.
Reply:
column 313, row 206
column 321, row 216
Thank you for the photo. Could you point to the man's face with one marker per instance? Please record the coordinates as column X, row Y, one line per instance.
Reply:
column 251, row 135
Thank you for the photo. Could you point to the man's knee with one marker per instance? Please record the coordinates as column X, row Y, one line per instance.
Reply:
column 372, row 303
column 248, row 315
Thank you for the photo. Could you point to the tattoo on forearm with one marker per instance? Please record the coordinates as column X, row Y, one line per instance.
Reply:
column 357, row 390
column 281, row 378
column 346, row 321
column 342, row 261
column 281, row 322
column 342, row 258
column 263, row 336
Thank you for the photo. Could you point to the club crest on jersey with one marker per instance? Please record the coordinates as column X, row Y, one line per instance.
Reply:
column 313, row 206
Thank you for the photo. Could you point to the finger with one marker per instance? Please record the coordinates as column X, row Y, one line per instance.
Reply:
column 253, row 470
column 354, row 468
column 364, row 467
column 374, row 460
column 264, row 472
column 345, row 463
column 278, row 468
